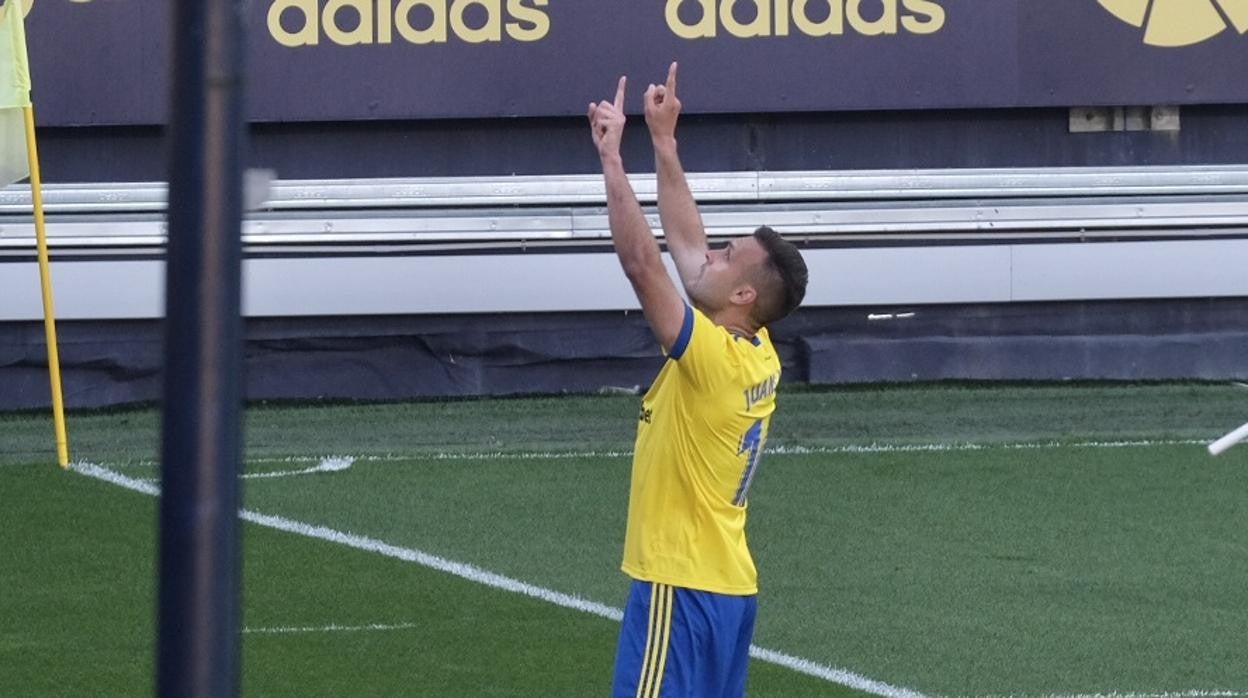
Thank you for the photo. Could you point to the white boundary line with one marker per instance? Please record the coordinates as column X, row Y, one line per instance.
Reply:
column 473, row 573
column 1175, row 694
column 333, row 628
column 781, row 450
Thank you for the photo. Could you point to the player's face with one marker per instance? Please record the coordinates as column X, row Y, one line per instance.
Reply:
column 726, row 269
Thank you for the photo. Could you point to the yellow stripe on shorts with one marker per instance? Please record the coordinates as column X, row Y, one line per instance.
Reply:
column 658, row 637
column 645, row 662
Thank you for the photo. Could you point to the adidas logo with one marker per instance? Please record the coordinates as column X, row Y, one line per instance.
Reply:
column 744, row 19
column 1171, row 23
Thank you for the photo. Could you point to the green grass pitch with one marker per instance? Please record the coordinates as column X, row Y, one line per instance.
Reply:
column 948, row 540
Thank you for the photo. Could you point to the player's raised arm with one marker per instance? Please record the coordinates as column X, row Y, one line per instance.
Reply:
column 678, row 212
column 630, row 233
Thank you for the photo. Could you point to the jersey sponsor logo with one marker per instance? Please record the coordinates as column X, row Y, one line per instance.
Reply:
column 646, row 415
column 1174, row 23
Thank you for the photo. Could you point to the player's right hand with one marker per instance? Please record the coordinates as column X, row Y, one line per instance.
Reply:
column 606, row 122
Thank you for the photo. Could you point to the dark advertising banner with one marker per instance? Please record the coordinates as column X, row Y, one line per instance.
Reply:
column 106, row 61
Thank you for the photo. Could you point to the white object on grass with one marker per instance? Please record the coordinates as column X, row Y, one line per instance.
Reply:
column 257, row 188
column 1229, row 440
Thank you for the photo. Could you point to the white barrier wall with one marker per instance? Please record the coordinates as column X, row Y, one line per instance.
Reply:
column 535, row 282
column 537, row 244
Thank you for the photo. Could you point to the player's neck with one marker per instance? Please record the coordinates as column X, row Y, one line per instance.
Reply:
column 737, row 322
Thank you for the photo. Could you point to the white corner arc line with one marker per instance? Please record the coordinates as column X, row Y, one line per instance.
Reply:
column 498, row 581
column 329, row 464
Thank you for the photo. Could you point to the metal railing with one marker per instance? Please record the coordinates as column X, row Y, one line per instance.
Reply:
column 922, row 206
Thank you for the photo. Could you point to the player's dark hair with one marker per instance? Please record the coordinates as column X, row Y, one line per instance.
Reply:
column 786, row 267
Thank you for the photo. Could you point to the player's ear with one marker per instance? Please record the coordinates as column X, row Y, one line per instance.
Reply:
column 744, row 294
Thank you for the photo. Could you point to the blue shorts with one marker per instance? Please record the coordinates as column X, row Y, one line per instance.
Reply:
column 677, row 643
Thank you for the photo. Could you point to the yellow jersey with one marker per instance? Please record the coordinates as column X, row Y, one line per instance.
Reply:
column 700, row 433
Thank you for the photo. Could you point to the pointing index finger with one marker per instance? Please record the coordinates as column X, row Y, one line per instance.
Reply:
column 619, row 94
column 671, row 79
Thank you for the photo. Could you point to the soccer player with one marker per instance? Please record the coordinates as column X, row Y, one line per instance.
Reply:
column 690, row 611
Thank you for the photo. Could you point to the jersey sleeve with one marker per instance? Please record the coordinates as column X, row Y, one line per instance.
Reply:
column 702, row 350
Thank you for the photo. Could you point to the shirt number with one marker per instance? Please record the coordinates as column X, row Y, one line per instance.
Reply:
column 752, row 447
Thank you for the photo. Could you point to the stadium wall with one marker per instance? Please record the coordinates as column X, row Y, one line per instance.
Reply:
column 971, row 138
column 407, row 357
column 987, row 85
column 392, row 289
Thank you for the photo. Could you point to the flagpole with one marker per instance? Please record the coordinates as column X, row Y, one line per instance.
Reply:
column 45, row 282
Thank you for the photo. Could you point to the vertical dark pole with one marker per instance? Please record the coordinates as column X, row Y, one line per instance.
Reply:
column 198, row 645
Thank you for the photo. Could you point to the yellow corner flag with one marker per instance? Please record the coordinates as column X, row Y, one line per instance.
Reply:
column 14, row 93
column 19, row 158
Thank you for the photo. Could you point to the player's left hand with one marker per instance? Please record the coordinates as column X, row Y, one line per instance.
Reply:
column 663, row 107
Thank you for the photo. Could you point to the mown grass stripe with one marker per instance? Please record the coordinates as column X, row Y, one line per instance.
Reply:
column 498, row 581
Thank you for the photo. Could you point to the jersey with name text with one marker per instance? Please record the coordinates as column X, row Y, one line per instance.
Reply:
column 700, row 434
